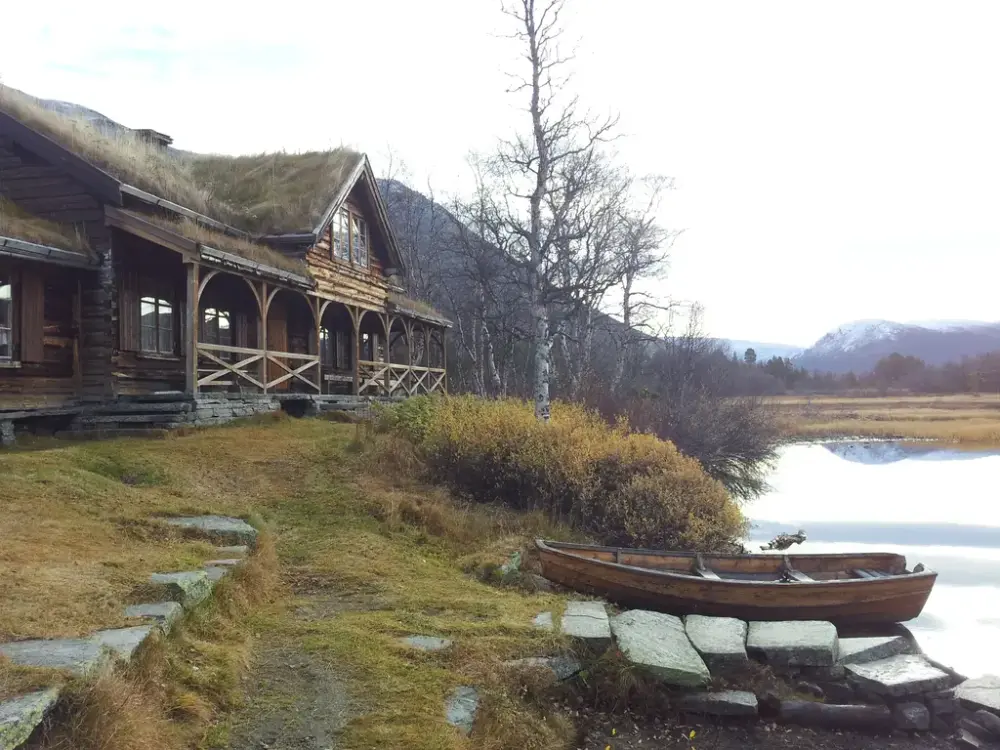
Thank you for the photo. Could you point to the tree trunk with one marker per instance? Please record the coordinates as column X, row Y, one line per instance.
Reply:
column 542, row 351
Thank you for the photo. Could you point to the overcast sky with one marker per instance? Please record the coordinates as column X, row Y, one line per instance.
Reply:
column 833, row 160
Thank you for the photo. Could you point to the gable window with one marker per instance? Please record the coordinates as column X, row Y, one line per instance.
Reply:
column 359, row 240
column 156, row 319
column 349, row 237
column 341, row 235
column 6, row 319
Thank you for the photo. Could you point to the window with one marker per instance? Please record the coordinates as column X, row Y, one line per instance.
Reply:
column 349, row 237
column 156, row 321
column 359, row 240
column 341, row 236
column 6, row 319
column 216, row 327
column 325, row 347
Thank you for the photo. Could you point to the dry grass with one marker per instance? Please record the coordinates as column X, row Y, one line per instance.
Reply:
column 275, row 193
column 964, row 419
column 269, row 193
column 244, row 248
column 77, row 542
column 23, row 226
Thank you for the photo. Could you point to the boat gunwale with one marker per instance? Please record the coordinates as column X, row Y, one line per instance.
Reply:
column 543, row 545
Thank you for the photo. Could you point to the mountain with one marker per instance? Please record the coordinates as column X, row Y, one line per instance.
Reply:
column 763, row 349
column 858, row 346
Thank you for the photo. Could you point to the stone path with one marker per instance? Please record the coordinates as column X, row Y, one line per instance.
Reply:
column 805, row 643
column 721, row 641
column 20, row 716
column 657, row 643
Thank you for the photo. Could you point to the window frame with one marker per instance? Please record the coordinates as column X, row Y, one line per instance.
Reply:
column 350, row 238
column 162, row 296
column 213, row 336
column 7, row 280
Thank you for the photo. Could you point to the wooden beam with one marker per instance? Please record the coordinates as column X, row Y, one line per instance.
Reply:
column 356, row 319
column 262, row 339
column 191, row 299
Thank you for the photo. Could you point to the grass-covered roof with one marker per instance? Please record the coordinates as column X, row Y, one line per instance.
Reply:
column 20, row 225
column 263, row 194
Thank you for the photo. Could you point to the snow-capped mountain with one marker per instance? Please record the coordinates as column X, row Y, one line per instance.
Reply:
column 859, row 345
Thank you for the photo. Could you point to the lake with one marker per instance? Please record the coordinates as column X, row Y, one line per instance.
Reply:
column 939, row 507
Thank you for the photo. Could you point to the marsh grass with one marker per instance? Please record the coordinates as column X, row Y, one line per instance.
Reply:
column 968, row 421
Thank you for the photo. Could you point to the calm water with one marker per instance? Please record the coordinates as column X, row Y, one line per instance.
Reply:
column 938, row 507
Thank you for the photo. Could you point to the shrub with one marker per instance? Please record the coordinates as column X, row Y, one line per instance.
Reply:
column 616, row 485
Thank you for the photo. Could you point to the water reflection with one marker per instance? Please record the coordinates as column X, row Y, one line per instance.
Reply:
column 935, row 506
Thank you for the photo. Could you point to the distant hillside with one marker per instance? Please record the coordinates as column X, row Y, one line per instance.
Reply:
column 860, row 345
column 763, row 349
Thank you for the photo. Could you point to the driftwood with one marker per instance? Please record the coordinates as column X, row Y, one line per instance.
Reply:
column 783, row 541
column 828, row 716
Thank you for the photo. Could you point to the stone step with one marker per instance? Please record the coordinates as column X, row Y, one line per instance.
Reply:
column 219, row 528
column 898, row 676
column 980, row 693
column 723, row 703
column 657, row 643
column 19, row 716
column 793, row 643
column 587, row 622
column 862, row 650
column 721, row 641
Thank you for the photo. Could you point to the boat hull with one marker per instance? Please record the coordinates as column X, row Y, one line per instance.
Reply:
column 896, row 598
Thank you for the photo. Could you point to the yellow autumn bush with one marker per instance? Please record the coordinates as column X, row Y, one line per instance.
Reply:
column 621, row 487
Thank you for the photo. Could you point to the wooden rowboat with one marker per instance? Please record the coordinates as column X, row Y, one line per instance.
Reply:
column 853, row 589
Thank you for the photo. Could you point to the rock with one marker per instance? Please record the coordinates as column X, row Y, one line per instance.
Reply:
column 940, row 725
column 966, row 739
column 123, row 641
column 832, row 716
column 980, row 692
column 216, row 574
column 724, row 703
column 794, row 643
column 165, row 614
column 862, row 650
column 721, row 641
column 897, row 676
column 537, row 583
column 769, row 703
column 839, row 692
column 988, row 721
column 460, row 708
column 81, row 656
column 239, row 550
column 974, row 728
column 942, row 706
column 228, row 563
column 562, row 667
column 809, row 688
column 657, row 643
column 543, row 620
column 19, row 716
column 220, row 528
column 587, row 621
column 188, row 588
column 426, row 642
column 911, row 717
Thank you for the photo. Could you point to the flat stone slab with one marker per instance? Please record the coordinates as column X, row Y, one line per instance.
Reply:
column 562, row 667
column 980, row 692
column 165, row 614
column 863, row 650
column 239, row 550
column 188, row 588
column 228, row 563
column 721, row 641
column 426, row 642
column 19, row 716
column 80, row 656
column 724, row 703
column 911, row 717
column 805, row 643
column 657, row 643
column 835, row 716
column 222, row 528
column 587, row 621
column 216, row 574
column 543, row 620
column 460, row 708
column 906, row 674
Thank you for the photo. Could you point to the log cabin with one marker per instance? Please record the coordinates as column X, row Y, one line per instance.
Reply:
column 145, row 288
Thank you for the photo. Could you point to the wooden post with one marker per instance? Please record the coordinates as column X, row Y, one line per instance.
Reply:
column 77, row 338
column 387, row 324
column 410, row 377
column 191, row 331
column 262, row 306
column 444, row 357
column 317, row 312
column 356, row 319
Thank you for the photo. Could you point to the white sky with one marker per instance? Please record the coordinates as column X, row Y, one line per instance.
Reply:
column 833, row 160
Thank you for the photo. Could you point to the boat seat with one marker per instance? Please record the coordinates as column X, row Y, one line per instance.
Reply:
column 700, row 569
column 795, row 575
column 865, row 573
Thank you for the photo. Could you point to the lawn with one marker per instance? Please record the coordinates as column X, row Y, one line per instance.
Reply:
column 363, row 561
column 968, row 420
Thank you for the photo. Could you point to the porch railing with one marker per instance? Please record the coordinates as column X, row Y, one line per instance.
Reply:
column 393, row 379
column 244, row 367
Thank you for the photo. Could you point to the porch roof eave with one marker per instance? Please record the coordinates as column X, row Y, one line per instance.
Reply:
column 228, row 260
column 13, row 247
